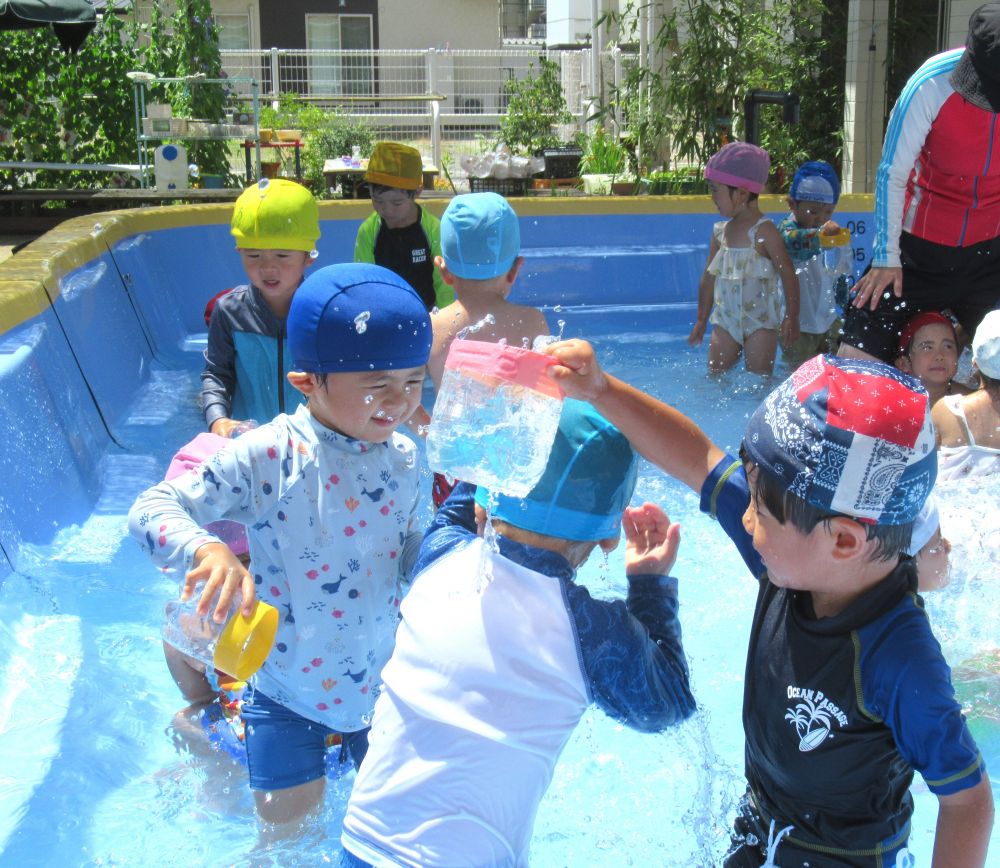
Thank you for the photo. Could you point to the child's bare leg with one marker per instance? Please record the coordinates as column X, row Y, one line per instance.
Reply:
column 189, row 675
column 723, row 351
column 759, row 351
column 282, row 811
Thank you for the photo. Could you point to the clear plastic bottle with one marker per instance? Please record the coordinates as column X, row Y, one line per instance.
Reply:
column 237, row 647
column 837, row 253
column 190, row 633
column 495, row 417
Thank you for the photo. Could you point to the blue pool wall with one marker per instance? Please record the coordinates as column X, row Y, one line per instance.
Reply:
column 89, row 311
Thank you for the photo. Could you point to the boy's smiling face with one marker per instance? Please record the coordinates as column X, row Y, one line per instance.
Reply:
column 365, row 405
column 276, row 273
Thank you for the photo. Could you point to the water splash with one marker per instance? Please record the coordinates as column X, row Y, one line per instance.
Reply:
column 489, row 319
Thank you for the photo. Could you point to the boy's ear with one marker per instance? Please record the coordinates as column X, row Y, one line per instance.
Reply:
column 514, row 269
column 790, row 201
column 903, row 364
column 446, row 275
column 609, row 544
column 849, row 538
column 305, row 383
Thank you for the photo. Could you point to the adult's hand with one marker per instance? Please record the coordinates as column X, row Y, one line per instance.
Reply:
column 872, row 285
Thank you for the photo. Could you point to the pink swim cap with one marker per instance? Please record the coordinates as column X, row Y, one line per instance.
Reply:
column 192, row 455
column 739, row 164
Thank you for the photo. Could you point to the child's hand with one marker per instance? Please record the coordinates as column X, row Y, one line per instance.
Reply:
column 651, row 540
column 223, row 575
column 576, row 369
column 789, row 331
column 697, row 333
column 224, row 427
column 831, row 227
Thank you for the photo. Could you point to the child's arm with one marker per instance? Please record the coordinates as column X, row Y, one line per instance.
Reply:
column 218, row 378
column 774, row 245
column 706, row 296
column 632, row 652
column 661, row 434
column 964, row 823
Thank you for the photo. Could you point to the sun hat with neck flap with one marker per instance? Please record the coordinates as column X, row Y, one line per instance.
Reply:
column 977, row 76
column 355, row 316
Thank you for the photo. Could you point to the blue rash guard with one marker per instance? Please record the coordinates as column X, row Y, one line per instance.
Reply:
column 839, row 711
column 246, row 361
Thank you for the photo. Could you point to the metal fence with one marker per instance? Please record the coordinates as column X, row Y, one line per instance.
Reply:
column 434, row 99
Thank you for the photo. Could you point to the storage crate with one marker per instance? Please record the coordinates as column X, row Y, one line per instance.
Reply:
column 562, row 162
column 503, row 186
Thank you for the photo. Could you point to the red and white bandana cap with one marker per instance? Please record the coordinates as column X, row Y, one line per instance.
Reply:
column 850, row 436
column 739, row 164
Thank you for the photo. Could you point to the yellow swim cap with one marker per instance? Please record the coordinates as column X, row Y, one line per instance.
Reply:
column 276, row 215
column 395, row 165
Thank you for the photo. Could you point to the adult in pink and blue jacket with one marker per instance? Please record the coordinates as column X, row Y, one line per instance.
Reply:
column 937, row 198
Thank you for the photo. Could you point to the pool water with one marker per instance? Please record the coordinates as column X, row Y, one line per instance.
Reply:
column 95, row 773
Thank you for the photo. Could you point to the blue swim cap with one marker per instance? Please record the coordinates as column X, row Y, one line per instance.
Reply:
column 815, row 181
column 480, row 236
column 588, row 481
column 357, row 317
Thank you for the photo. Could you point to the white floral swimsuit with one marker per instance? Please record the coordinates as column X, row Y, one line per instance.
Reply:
column 747, row 292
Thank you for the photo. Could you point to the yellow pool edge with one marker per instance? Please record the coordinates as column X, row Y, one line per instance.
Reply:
column 30, row 279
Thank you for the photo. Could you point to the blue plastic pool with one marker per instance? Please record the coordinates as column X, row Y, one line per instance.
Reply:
column 98, row 380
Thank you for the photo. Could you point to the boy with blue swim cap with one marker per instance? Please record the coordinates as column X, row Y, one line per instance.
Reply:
column 847, row 691
column 329, row 498
column 812, row 199
column 500, row 653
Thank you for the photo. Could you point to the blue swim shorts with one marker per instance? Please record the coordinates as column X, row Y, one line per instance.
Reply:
column 285, row 749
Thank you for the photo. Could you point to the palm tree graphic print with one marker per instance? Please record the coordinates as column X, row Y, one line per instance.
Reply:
column 811, row 723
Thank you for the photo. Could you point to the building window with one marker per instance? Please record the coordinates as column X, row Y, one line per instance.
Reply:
column 234, row 31
column 344, row 74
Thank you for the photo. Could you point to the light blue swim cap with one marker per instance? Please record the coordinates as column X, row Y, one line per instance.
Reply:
column 588, row 481
column 480, row 236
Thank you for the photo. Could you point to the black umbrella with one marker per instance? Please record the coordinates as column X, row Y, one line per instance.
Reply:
column 71, row 20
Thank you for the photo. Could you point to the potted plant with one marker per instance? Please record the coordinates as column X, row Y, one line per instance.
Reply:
column 604, row 159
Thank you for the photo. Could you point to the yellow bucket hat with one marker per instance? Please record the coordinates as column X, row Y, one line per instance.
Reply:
column 276, row 215
column 395, row 165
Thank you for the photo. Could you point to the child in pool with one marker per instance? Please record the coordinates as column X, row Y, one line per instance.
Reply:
column 189, row 674
column 968, row 426
column 276, row 226
column 480, row 247
column 930, row 549
column 746, row 260
column 329, row 497
column 480, row 259
column 399, row 234
column 487, row 682
column 812, row 199
column 846, row 691
column 928, row 349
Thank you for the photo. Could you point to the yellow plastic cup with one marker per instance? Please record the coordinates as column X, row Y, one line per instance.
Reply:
column 837, row 239
column 245, row 641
